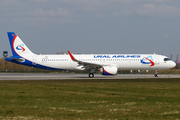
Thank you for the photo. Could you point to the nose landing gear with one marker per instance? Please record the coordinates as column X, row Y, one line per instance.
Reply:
column 156, row 73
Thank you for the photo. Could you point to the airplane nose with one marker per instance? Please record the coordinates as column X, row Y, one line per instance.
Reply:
column 173, row 64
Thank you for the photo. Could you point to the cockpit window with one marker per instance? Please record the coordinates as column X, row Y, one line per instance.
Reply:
column 166, row 59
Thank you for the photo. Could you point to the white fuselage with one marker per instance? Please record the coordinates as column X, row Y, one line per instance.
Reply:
column 122, row 61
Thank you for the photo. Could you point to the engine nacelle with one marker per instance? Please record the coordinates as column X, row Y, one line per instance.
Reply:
column 109, row 70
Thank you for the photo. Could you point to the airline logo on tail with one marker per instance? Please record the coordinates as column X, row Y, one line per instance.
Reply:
column 20, row 47
column 148, row 60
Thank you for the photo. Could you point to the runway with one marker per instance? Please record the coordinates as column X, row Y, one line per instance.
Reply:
column 59, row 76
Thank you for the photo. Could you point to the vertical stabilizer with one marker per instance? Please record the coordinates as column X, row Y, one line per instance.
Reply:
column 17, row 46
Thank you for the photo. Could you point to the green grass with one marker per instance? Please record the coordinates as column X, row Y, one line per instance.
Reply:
column 90, row 99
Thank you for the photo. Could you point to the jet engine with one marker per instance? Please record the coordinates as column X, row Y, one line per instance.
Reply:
column 109, row 70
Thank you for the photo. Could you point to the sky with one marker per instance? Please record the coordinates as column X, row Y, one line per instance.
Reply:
column 93, row 26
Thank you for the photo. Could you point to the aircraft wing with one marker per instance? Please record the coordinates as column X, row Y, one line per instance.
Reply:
column 87, row 65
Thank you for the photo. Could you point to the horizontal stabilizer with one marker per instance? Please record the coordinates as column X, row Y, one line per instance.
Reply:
column 17, row 58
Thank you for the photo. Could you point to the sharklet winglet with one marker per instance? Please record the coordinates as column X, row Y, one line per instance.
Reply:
column 72, row 57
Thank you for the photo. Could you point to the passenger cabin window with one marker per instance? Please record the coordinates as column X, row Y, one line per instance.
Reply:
column 166, row 59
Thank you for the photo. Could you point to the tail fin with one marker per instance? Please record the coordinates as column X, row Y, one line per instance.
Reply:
column 17, row 46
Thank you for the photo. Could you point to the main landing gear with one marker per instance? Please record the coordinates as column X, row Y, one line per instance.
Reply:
column 91, row 75
column 156, row 73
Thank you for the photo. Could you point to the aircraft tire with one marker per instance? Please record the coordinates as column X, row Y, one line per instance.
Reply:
column 91, row 75
column 155, row 75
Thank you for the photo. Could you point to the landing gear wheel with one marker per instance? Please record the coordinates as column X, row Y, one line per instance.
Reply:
column 155, row 75
column 91, row 75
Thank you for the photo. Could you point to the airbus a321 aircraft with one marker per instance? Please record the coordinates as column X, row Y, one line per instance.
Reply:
column 106, row 64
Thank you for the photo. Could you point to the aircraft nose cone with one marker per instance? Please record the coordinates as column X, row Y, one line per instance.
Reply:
column 173, row 64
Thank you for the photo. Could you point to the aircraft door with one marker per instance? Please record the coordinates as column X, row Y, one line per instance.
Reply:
column 157, row 61
column 34, row 60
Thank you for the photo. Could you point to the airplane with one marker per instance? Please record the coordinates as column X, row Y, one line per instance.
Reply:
column 106, row 64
